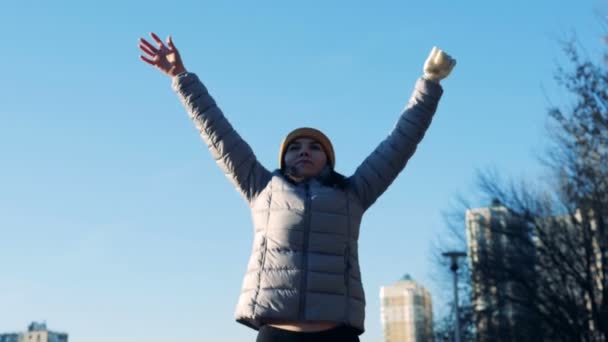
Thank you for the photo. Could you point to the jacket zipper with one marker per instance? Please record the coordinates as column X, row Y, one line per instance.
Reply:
column 347, row 268
column 304, row 275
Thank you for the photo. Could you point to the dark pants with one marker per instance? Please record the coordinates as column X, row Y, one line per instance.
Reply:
column 338, row 334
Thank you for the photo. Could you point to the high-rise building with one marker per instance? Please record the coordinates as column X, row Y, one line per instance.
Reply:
column 9, row 337
column 406, row 311
column 512, row 262
column 579, row 243
column 36, row 332
column 495, row 242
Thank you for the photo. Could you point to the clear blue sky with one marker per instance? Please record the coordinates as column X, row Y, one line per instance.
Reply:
column 115, row 223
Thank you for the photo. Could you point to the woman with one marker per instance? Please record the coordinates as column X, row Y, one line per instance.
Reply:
column 303, row 281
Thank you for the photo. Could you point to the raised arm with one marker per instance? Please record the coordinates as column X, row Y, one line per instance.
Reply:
column 230, row 151
column 383, row 165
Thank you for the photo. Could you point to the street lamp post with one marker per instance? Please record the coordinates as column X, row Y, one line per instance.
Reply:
column 454, row 255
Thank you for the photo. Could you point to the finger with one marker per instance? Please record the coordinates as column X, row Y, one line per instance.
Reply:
column 443, row 58
column 434, row 52
column 147, row 60
column 170, row 43
column 157, row 40
column 450, row 61
column 148, row 45
column 146, row 50
column 448, row 57
column 437, row 57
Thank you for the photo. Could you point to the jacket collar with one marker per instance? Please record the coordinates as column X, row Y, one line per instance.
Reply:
column 321, row 178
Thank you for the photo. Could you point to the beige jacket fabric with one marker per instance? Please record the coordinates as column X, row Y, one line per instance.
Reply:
column 304, row 263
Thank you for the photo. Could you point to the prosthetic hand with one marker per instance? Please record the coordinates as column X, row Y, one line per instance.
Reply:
column 438, row 65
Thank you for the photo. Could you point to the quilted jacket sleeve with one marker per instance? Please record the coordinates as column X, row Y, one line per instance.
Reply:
column 383, row 165
column 230, row 151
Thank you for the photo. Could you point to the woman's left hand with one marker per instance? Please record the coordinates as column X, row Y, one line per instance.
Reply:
column 438, row 65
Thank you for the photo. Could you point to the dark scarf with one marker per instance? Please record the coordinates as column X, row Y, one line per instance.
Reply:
column 327, row 177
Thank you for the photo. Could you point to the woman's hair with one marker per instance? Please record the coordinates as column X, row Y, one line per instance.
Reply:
column 335, row 180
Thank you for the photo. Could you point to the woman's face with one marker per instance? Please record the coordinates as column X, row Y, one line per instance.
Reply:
column 306, row 157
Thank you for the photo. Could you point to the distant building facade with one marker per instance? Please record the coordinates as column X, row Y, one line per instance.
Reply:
column 406, row 312
column 9, row 337
column 494, row 243
column 36, row 332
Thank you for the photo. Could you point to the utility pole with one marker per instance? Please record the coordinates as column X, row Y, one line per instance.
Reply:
column 454, row 255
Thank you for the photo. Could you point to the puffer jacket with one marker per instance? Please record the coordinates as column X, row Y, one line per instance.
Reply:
column 304, row 263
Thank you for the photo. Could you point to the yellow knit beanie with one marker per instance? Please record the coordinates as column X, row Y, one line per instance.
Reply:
column 307, row 132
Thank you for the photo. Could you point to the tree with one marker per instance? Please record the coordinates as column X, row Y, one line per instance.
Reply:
column 541, row 264
column 444, row 327
column 564, row 224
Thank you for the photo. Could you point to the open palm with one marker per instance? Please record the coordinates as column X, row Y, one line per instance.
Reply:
column 166, row 58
